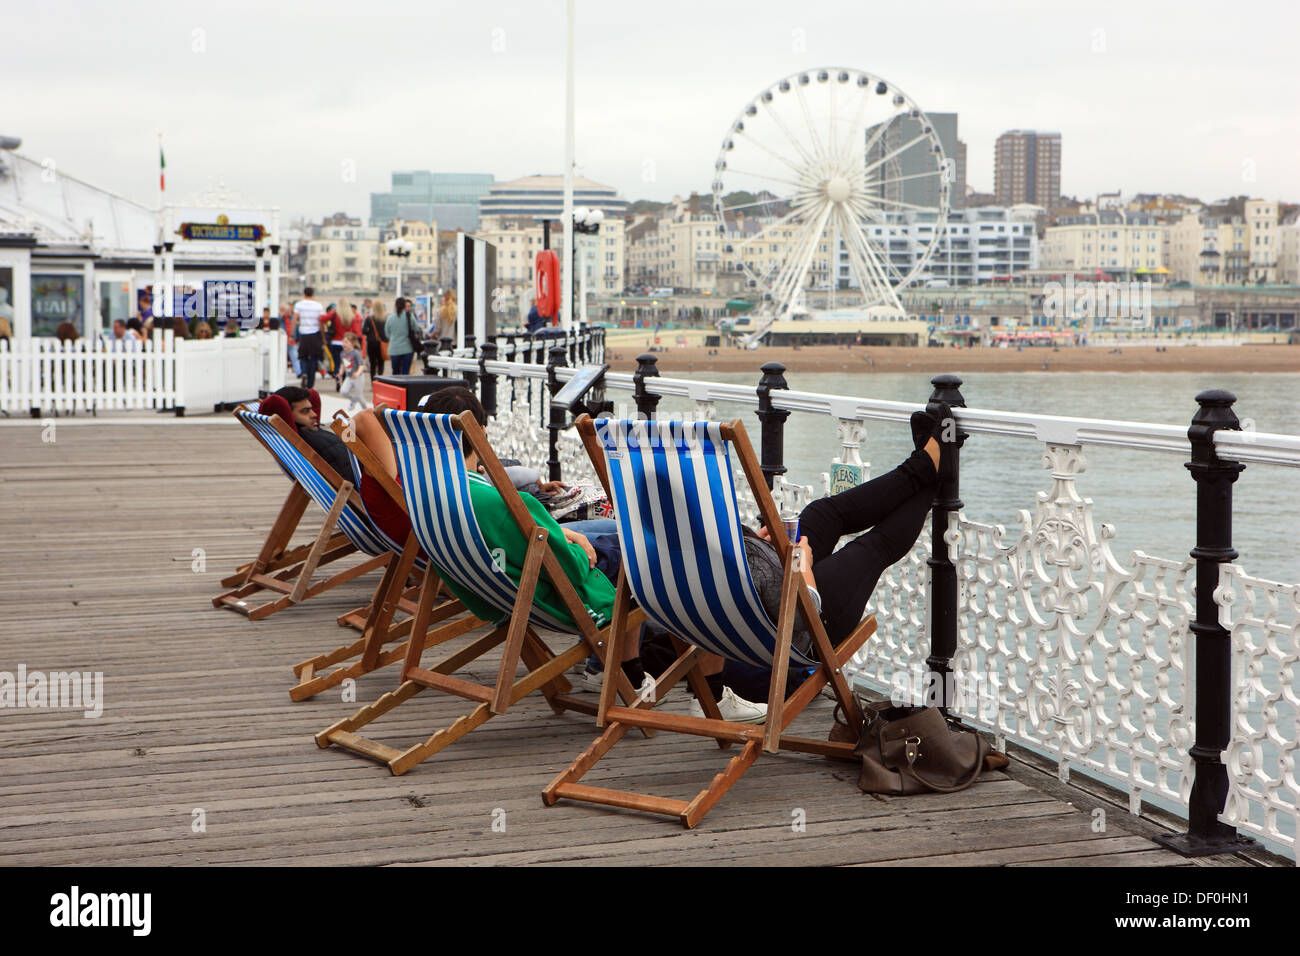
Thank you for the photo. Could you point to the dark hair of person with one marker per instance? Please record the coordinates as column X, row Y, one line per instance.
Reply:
column 308, row 291
column 134, row 325
column 452, row 401
column 292, row 393
column 400, row 304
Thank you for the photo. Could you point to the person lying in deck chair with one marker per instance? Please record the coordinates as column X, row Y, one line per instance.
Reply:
column 893, row 506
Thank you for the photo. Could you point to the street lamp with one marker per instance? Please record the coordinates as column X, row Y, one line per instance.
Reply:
column 587, row 222
column 402, row 249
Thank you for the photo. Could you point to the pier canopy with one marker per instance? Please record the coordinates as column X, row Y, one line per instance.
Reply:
column 74, row 252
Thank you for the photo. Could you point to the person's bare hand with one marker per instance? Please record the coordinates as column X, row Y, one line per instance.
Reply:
column 552, row 487
column 581, row 540
column 763, row 533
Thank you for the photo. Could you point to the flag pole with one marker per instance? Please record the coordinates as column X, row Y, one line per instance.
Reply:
column 566, row 259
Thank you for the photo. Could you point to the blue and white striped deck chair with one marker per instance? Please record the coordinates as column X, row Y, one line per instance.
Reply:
column 345, row 512
column 275, row 556
column 436, row 485
column 684, row 563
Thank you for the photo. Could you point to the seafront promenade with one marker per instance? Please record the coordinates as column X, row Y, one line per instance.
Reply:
column 199, row 756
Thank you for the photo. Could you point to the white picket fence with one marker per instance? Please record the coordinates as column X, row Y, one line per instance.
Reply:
column 165, row 373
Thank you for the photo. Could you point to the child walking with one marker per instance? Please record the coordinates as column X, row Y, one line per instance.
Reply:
column 354, row 372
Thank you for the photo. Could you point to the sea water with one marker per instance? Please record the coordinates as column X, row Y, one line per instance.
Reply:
column 1149, row 497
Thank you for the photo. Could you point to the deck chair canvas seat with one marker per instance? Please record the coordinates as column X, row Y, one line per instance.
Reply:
column 684, row 565
column 345, row 512
column 436, row 486
column 276, row 558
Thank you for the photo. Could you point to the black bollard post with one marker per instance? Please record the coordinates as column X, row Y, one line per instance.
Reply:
column 556, row 423
column 487, row 380
column 1206, row 834
column 943, row 573
column 445, row 348
column 646, row 367
column 772, row 422
column 471, row 378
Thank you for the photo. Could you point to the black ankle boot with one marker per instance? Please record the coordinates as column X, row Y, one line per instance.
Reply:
column 922, row 427
column 945, row 432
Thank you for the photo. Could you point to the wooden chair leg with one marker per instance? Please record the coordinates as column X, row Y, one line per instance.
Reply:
column 720, row 784
column 309, row 685
column 519, row 621
column 535, row 653
column 613, row 656
column 377, row 628
column 318, row 548
column 483, row 712
column 781, row 658
column 271, row 556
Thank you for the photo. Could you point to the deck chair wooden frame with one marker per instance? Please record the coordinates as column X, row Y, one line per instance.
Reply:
column 391, row 595
column 276, row 565
column 515, row 630
column 345, row 513
column 771, row 737
column 410, row 596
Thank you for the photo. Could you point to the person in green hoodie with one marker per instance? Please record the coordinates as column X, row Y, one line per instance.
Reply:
column 588, row 566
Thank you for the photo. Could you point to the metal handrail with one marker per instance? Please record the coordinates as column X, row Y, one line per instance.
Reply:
column 1245, row 446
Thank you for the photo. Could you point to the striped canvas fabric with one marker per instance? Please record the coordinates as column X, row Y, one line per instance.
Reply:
column 436, row 484
column 357, row 526
column 680, row 531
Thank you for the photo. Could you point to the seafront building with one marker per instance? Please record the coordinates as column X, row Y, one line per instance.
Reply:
column 542, row 197
column 519, row 238
column 417, row 195
column 1115, row 242
column 678, row 249
column 977, row 245
column 1231, row 243
column 342, row 255
column 420, row 270
column 1288, row 251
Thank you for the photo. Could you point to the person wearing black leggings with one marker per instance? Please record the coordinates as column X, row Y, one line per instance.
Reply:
column 890, row 509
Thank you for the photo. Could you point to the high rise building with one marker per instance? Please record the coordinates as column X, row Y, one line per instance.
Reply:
column 1027, row 167
column 449, row 199
column 903, row 174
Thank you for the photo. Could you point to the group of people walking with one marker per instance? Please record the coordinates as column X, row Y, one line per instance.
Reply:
column 359, row 341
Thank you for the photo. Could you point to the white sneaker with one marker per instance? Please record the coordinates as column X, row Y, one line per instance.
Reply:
column 590, row 682
column 734, row 708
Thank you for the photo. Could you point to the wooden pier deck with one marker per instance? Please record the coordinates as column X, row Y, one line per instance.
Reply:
column 98, row 531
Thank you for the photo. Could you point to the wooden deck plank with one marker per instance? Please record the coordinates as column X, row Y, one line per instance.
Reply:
column 196, row 712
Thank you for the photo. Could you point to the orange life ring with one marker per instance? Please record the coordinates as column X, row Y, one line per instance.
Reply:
column 548, row 283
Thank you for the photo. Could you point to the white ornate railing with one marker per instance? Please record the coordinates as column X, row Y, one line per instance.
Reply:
column 1062, row 647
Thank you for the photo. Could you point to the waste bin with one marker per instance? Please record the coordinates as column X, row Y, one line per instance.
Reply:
column 404, row 392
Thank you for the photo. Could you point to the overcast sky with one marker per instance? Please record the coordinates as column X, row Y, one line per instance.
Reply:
column 311, row 105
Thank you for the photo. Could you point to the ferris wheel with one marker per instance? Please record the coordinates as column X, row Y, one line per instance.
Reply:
column 831, row 181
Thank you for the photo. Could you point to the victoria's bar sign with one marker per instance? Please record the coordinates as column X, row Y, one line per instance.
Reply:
column 221, row 231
